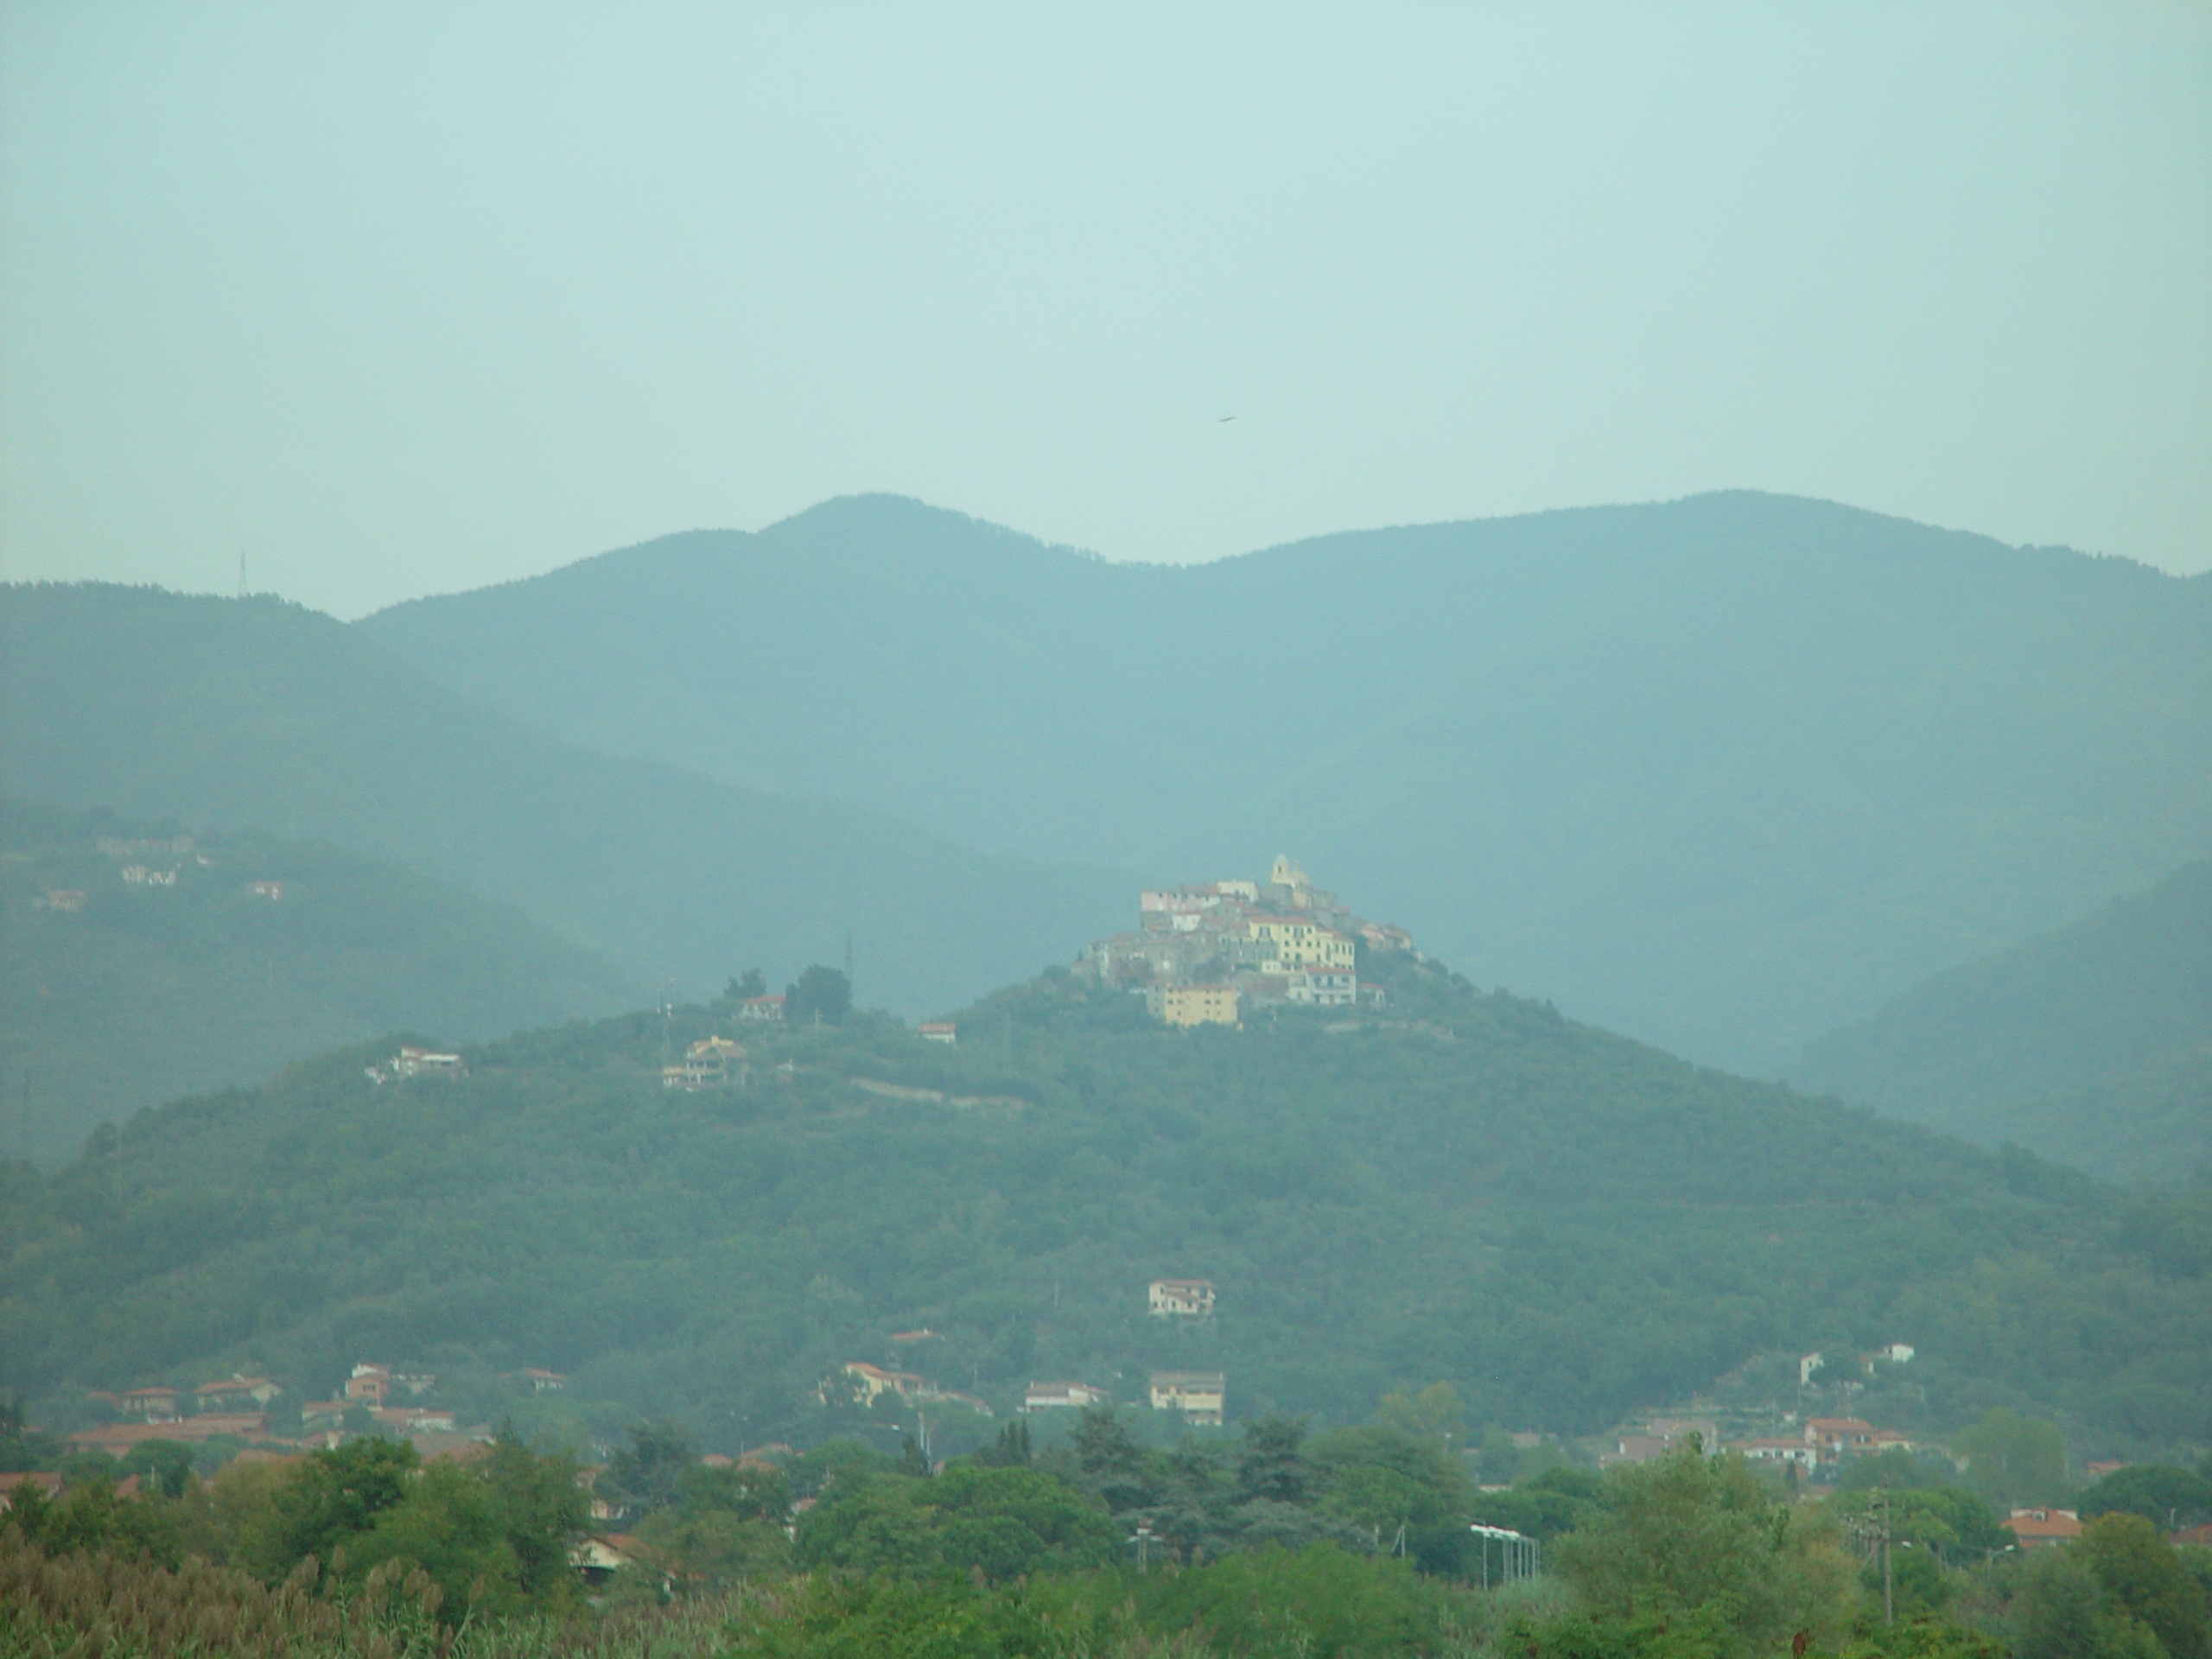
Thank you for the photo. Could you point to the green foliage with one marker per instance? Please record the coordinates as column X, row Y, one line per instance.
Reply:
column 2143, row 1579
column 22, row 1446
column 651, row 1470
column 1545, row 1505
column 1948, row 1522
column 1465, row 1188
column 2086, row 1045
column 2159, row 1492
column 164, row 1466
column 2061, row 1612
column 331, row 1497
column 1700, row 1536
column 2014, row 1459
column 1001, row 1523
column 821, row 997
column 1432, row 1416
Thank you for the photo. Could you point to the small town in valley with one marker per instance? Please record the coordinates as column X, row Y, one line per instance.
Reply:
column 1205, row 955
column 246, row 1416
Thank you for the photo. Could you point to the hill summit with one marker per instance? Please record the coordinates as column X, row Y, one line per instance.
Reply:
column 786, row 1219
column 1727, row 772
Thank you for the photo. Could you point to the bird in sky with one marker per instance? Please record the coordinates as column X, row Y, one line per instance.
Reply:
column 1224, row 419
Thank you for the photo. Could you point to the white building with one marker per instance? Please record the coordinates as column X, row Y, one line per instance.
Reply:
column 1063, row 1397
column 1188, row 1298
column 1197, row 1394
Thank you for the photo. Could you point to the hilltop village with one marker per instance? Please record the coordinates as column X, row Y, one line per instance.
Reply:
column 1204, row 954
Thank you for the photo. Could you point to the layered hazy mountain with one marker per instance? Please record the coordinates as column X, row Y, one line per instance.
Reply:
column 141, row 964
column 258, row 716
column 2092, row 1044
column 1727, row 772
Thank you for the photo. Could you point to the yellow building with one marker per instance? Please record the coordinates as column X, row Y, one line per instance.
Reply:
column 1198, row 1394
column 1193, row 1005
column 1300, row 944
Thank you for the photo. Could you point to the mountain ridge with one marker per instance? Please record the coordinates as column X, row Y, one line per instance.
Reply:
column 255, row 715
column 1726, row 772
column 2091, row 1045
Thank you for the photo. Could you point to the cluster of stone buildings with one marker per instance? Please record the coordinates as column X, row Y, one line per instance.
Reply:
column 1202, row 955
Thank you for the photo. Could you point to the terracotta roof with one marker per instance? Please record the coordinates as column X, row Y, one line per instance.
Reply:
column 2044, row 1523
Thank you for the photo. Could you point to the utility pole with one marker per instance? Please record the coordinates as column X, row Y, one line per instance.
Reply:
column 1889, row 1600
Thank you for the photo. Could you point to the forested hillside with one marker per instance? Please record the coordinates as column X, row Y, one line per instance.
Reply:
column 2092, row 1045
column 1561, row 1224
column 139, row 967
column 1725, row 773
column 258, row 716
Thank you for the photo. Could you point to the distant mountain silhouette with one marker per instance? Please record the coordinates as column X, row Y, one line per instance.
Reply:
column 256, row 714
column 2092, row 1045
column 1724, row 772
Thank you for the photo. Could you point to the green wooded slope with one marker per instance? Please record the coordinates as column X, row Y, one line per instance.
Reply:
column 2092, row 1045
column 1563, row 1224
column 149, row 992
column 1726, row 773
column 260, row 716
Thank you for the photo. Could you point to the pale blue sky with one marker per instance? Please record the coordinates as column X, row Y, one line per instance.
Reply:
column 400, row 299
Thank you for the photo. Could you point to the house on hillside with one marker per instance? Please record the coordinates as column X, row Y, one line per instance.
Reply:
column 269, row 890
column 424, row 1062
column 1198, row 1394
column 1190, row 1299
column 769, row 1009
column 235, row 1391
column 541, row 1381
column 870, row 1383
column 937, row 1031
column 1837, row 1438
column 412, row 1420
column 2040, row 1528
column 694, row 1073
column 1063, row 1397
column 1632, row 1449
column 1323, row 988
column 70, row 898
column 1779, row 1453
column 1295, row 942
column 1193, row 1005
column 154, row 1405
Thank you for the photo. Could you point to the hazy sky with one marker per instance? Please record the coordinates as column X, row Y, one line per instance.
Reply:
column 399, row 300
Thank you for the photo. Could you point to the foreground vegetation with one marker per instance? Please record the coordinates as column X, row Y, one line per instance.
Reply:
column 364, row 1551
